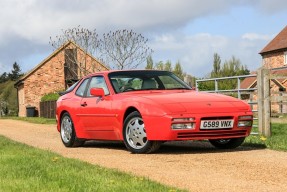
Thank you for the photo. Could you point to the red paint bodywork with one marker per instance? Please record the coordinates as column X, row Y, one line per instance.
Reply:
column 103, row 118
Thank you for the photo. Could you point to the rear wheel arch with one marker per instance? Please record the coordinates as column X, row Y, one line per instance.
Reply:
column 61, row 116
column 62, row 113
column 67, row 131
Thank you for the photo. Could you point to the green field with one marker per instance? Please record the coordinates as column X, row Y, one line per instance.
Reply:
column 24, row 168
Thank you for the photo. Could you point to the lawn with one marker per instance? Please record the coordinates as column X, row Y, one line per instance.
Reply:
column 25, row 168
column 38, row 120
column 278, row 140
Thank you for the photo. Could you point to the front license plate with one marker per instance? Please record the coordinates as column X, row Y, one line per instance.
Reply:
column 216, row 124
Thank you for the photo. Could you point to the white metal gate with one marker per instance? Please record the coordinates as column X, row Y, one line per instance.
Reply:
column 261, row 107
column 237, row 89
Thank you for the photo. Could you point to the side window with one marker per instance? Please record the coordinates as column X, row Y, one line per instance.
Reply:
column 81, row 90
column 98, row 82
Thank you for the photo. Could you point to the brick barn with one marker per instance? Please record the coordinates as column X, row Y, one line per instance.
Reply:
column 55, row 73
column 274, row 57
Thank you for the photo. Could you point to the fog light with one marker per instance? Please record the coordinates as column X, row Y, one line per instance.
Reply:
column 244, row 123
column 182, row 126
column 183, row 123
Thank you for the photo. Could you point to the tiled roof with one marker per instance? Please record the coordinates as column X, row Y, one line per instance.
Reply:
column 247, row 82
column 279, row 42
column 251, row 81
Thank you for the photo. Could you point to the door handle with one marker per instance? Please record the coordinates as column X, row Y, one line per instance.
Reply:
column 84, row 104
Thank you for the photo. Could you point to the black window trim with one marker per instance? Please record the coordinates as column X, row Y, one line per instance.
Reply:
column 70, row 90
column 88, row 84
column 89, row 79
column 157, row 72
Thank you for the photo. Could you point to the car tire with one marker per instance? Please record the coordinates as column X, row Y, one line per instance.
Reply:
column 227, row 143
column 67, row 132
column 135, row 137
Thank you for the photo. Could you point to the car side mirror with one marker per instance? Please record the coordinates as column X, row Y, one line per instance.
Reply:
column 97, row 92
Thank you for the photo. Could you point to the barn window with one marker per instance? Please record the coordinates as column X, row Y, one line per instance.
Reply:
column 70, row 67
column 285, row 58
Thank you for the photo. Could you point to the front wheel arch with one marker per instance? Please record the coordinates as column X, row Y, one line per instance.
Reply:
column 134, row 136
column 128, row 111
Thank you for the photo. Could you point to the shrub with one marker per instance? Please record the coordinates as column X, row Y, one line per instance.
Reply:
column 8, row 98
column 50, row 97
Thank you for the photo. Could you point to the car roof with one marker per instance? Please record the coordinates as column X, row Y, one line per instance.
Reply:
column 124, row 71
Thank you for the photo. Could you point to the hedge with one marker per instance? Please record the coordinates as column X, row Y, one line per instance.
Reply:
column 50, row 97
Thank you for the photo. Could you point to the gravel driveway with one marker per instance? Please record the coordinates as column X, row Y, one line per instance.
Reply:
column 195, row 166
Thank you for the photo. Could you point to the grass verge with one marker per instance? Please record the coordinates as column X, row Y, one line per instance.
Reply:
column 24, row 168
column 278, row 140
column 37, row 120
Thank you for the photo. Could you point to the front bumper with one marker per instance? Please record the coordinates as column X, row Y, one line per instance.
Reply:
column 159, row 128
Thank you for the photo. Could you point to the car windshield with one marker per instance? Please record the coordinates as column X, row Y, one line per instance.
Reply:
column 123, row 81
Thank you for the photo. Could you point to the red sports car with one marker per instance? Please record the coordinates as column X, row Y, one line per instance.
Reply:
column 145, row 108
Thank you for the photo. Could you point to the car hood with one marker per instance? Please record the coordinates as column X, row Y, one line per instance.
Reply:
column 196, row 102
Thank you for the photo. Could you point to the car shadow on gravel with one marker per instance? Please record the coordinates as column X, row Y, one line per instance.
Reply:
column 115, row 145
column 194, row 147
column 175, row 147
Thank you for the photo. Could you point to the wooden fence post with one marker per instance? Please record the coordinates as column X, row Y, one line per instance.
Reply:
column 267, row 103
column 260, row 101
column 263, row 87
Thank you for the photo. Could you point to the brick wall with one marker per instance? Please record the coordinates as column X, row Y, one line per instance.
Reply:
column 274, row 91
column 48, row 78
column 273, row 60
column 88, row 63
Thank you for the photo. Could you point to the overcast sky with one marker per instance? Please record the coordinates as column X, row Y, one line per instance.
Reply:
column 189, row 31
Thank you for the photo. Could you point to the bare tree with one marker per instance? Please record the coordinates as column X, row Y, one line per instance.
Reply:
column 124, row 49
column 85, row 38
column 76, row 61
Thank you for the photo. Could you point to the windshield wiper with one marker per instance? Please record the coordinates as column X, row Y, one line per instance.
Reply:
column 149, row 89
column 179, row 88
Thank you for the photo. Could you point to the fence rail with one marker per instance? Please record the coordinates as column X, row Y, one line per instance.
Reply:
column 265, row 96
column 237, row 90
